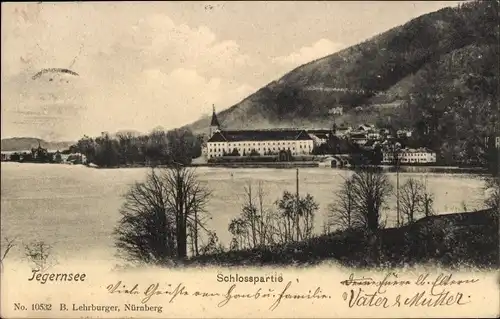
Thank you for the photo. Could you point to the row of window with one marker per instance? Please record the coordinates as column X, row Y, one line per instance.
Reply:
column 259, row 143
column 411, row 154
column 415, row 155
column 212, row 155
column 210, row 150
column 413, row 160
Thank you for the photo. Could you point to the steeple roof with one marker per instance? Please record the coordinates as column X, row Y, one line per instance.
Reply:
column 215, row 121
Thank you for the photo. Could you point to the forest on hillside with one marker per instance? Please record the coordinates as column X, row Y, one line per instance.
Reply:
column 439, row 71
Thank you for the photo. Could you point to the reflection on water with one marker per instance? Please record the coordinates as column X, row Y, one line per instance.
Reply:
column 75, row 208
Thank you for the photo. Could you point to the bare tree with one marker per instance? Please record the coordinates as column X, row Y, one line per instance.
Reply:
column 239, row 229
column 186, row 198
column 415, row 199
column 40, row 255
column 196, row 226
column 371, row 189
column 157, row 214
column 7, row 246
column 307, row 209
column 265, row 225
column 146, row 230
column 250, row 216
column 428, row 201
column 298, row 216
column 493, row 196
column 326, row 226
column 213, row 246
column 340, row 212
column 257, row 225
column 411, row 199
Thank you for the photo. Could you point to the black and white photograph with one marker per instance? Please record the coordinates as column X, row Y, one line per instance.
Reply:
column 250, row 159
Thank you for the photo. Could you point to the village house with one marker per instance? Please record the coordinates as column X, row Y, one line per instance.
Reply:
column 373, row 135
column 366, row 127
column 74, row 158
column 6, row 156
column 384, row 131
column 403, row 133
column 343, row 131
column 410, row 156
column 262, row 142
column 359, row 138
column 319, row 136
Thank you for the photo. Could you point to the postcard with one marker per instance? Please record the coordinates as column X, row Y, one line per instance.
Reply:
column 250, row 159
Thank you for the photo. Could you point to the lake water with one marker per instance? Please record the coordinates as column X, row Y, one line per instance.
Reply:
column 74, row 208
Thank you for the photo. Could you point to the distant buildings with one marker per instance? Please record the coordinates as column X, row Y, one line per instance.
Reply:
column 343, row 131
column 6, row 156
column 365, row 133
column 17, row 156
column 256, row 142
column 403, row 133
column 296, row 142
column 410, row 156
column 319, row 136
column 40, row 154
column 74, row 158
column 259, row 142
column 366, row 127
column 359, row 138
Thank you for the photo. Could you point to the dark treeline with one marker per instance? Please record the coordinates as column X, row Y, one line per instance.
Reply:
column 452, row 102
column 157, row 148
column 441, row 68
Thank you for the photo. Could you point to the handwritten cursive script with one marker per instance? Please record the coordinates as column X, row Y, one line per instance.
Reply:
column 222, row 298
column 433, row 291
column 391, row 279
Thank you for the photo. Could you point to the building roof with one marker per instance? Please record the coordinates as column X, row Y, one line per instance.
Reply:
column 260, row 135
column 358, row 135
column 217, row 137
column 323, row 136
column 418, row 150
column 344, row 128
column 215, row 121
column 366, row 127
column 413, row 150
column 319, row 131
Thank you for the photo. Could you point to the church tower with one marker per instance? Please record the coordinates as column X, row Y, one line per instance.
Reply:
column 214, row 124
column 334, row 128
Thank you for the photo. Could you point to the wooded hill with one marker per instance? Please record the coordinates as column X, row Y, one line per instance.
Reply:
column 437, row 73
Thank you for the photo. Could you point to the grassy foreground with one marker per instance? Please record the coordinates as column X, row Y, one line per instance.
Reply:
column 453, row 240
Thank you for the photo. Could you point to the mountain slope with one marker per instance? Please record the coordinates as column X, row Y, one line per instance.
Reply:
column 383, row 71
column 26, row 143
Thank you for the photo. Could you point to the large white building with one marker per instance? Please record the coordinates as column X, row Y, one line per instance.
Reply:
column 408, row 156
column 263, row 142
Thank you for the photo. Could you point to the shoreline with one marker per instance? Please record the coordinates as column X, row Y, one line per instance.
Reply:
column 291, row 165
column 399, row 246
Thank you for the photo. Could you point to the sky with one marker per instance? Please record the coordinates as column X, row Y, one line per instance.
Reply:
column 144, row 65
